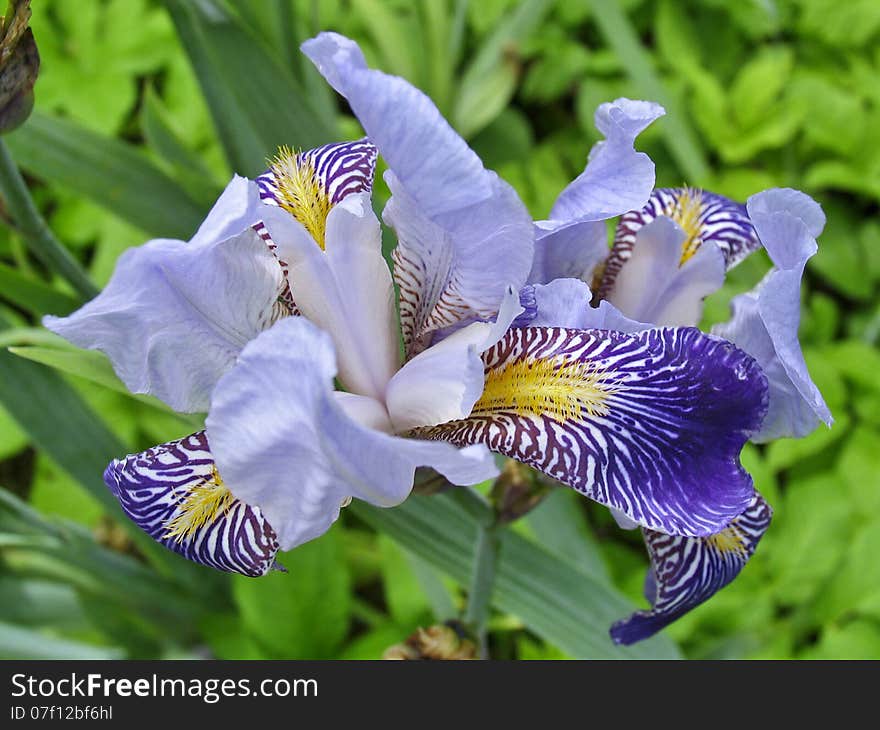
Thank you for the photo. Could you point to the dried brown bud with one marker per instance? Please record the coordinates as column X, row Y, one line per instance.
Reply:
column 428, row 482
column 441, row 642
column 516, row 492
column 19, row 65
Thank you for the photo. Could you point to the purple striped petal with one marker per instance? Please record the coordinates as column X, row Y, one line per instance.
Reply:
column 464, row 235
column 649, row 423
column 704, row 216
column 687, row 571
column 341, row 168
column 174, row 493
column 765, row 320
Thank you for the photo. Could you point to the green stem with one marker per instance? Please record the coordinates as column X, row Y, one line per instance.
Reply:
column 479, row 603
column 34, row 229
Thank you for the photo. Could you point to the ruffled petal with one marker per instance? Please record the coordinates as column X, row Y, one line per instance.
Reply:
column 687, row 571
column 443, row 382
column 616, row 178
column 566, row 303
column 175, row 315
column 702, row 215
column 650, row 423
column 765, row 321
column 656, row 287
column 464, row 235
column 174, row 493
column 284, row 441
column 347, row 291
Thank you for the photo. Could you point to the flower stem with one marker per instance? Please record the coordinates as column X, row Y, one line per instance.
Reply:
column 479, row 602
column 34, row 229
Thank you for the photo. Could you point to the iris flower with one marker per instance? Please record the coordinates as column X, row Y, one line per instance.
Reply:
column 280, row 320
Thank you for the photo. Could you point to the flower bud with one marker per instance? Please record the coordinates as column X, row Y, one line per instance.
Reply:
column 516, row 492
column 19, row 65
column 441, row 642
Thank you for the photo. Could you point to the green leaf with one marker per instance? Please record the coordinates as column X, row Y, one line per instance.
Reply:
column 857, row 640
column 111, row 172
column 556, row 601
column 33, row 295
column 302, row 614
column 759, row 82
column 489, row 81
column 255, row 102
column 406, row 602
column 560, row 526
column 19, row 643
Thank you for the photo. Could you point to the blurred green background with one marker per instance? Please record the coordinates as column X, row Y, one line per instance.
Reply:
column 143, row 110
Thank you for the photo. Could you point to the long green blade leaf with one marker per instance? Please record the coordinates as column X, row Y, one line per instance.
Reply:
column 109, row 172
column 559, row 603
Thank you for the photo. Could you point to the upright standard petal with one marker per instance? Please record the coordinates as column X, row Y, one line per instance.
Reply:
column 687, row 571
column 175, row 315
column 650, row 423
column 347, row 291
column 765, row 321
column 656, row 286
column 455, row 221
column 285, row 442
column 702, row 215
column 174, row 493
column 616, row 178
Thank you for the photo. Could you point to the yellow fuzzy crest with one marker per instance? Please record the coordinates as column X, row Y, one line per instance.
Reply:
column 729, row 540
column 204, row 504
column 553, row 388
column 686, row 212
column 301, row 192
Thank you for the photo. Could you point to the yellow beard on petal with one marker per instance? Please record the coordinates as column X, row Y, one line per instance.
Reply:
column 686, row 212
column 203, row 505
column 729, row 540
column 558, row 390
column 301, row 192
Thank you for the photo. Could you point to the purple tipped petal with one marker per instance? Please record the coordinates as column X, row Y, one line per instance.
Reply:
column 283, row 440
column 464, row 235
column 704, row 216
column 687, row 571
column 173, row 492
column 650, row 423
column 616, row 178
column 765, row 321
column 341, row 168
column 175, row 315
column 655, row 286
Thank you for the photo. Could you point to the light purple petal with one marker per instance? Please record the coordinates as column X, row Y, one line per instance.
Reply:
column 566, row 303
column 443, row 382
column 464, row 235
column 568, row 250
column 765, row 321
column 616, row 178
column 285, row 442
column 687, row 571
column 704, row 216
column 655, row 287
column 174, row 493
column 650, row 423
column 175, row 315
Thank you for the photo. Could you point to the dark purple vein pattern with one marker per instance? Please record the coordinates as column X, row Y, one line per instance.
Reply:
column 718, row 219
column 660, row 440
column 342, row 167
column 152, row 487
column 687, row 571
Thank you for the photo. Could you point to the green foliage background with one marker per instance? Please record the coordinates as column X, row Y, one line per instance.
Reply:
column 143, row 110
